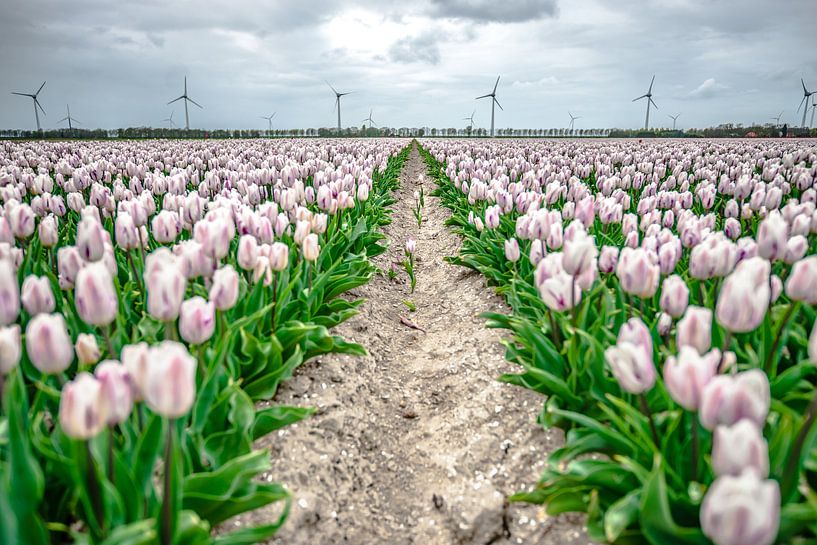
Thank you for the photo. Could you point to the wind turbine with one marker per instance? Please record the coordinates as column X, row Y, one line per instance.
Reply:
column 337, row 100
column 186, row 100
column 370, row 120
column 492, row 94
column 806, row 95
column 572, row 119
column 36, row 103
column 269, row 120
column 674, row 119
column 69, row 119
column 813, row 107
column 170, row 120
column 777, row 118
column 648, row 96
column 471, row 118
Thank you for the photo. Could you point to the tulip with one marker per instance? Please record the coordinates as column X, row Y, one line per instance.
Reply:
column 96, row 299
column 166, row 226
column 579, row 253
column 411, row 246
column 492, row 217
column 796, row 248
column 743, row 510
column 69, row 262
column 135, row 358
column 47, row 343
column 9, row 292
column 555, row 292
column 301, row 230
column 310, row 247
column 664, row 324
column 197, row 320
column 637, row 272
column 744, row 296
column 801, row 284
column 632, row 369
column 81, row 407
column 608, row 259
column 740, row 448
column 538, row 250
column 674, row 296
column 165, row 285
column 6, row 235
column 48, row 232
column 116, row 391
column 170, row 380
column 247, row 252
column 224, row 290
column 512, row 253
column 214, row 236
column 126, row 233
column 772, row 236
column 279, row 256
column 90, row 239
column 87, row 349
column 686, row 376
column 728, row 398
column 10, row 348
column 21, row 219
column 695, row 329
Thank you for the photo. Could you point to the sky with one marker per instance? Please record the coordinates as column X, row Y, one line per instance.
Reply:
column 413, row 63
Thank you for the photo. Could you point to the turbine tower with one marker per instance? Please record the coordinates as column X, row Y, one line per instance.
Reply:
column 777, row 118
column 806, row 95
column 492, row 94
column 170, row 120
column 648, row 96
column 269, row 120
column 370, row 120
column 186, row 100
column 36, row 103
column 572, row 119
column 70, row 119
column 674, row 119
column 337, row 101
column 813, row 107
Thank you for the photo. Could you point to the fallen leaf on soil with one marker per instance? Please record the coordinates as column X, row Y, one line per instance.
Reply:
column 409, row 323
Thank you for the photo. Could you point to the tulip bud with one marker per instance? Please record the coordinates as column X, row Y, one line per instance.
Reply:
column 9, row 292
column 637, row 272
column 579, row 252
column 742, row 510
column 166, row 226
column 48, row 232
column 608, row 259
column 812, row 345
column 165, row 285
column 116, row 392
column 674, row 296
column 310, row 247
column 279, row 256
column 631, row 358
column 802, row 282
column 90, row 239
column 772, row 236
column 560, row 292
column 247, row 252
column 21, row 218
column 695, row 329
column 538, row 250
column 740, row 448
column 686, row 375
column 170, row 380
column 796, row 248
column 96, row 299
column 728, row 398
column 664, row 324
column 126, row 233
column 10, row 348
column 135, row 359
column 81, row 407
column 224, row 291
column 69, row 262
column 301, row 230
column 37, row 296
column 197, row 320
column 87, row 349
column 744, row 296
column 47, row 343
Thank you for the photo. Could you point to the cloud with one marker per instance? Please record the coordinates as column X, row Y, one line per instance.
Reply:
column 493, row 11
column 708, row 89
column 547, row 81
column 421, row 48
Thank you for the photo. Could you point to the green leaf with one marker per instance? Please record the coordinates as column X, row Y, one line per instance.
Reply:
column 272, row 418
column 621, row 514
column 656, row 519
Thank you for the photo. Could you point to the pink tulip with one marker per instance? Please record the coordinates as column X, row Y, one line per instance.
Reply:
column 279, row 256
column 9, row 293
column 310, row 247
column 21, row 219
column 48, row 232
column 90, row 239
column 69, row 262
column 738, row 448
column 608, row 259
column 87, row 349
column 135, row 358
column 744, row 296
column 247, row 252
column 538, row 250
column 48, row 345
column 512, row 253
column 170, row 380
column 579, row 253
column 729, row 398
column 165, row 285
column 197, row 320
column 695, row 329
column 116, row 392
column 165, row 226
column 637, row 272
column 674, row 296
column 224, row 290
column 801, row 284
column 81, row 408
column 772, row 236
column 686, row 376
column 10, row 348
column 126, row 233
column 37, row 296
column 95, row 295
column 796, row 248
column 743, row 510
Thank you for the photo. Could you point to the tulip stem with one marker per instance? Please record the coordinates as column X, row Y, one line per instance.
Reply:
column 170, row 331
column 777, row 338
column 693, row 421
column 645, row 406
column 274, row 298
column 136, row 278
column 792, row 472
column 167, row 507
column 557, row 336
column 726, row 342
column 93, row 485
column 110, row 455
column 106, row 333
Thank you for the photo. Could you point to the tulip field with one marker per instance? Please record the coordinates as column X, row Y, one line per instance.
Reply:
column 663, row 300
column 151, row 294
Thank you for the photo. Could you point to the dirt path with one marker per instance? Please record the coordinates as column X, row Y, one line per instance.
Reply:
column 416, row 443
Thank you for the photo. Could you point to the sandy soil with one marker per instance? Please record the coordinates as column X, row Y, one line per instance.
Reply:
column 416, row 443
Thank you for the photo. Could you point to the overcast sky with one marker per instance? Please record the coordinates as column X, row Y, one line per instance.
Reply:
column 414, row 63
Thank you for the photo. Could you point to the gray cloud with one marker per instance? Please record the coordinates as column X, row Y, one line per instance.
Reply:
column 422, row 48
column 493, row 11
column 708, row 89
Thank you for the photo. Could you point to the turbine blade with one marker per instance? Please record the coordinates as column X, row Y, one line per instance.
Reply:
column 40, row 89
column 495, row 84
column 77, row 121
column 196, row 103
column 804, row 85
column 498, row 104
column 639, row 98
column 273, row 115
column 61, row 120
column 330, row 86
column 653, row 103
column 483, row 96
column 22, row 94
column 176, row 99
column 37, row 104
column 651, row 82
